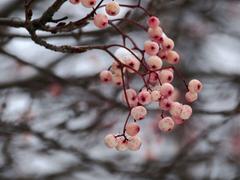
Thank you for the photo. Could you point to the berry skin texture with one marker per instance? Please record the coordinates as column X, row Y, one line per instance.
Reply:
column 156, row 34
column 191, row 97
column 133, row 63
column 144, row 97
column 132, row 129
column 166, row 90
column 112, row 8
column 153, row 22
column 151, row 48
column 195, row 86
column 173, row 57
column 165, row 104
column 176, row 109
column 110, row 141
column 166, row 124
column 166, row 76
column 154, row 63
column 122, row 144
column 155, row 95
column 131, row 96
column 88, row 3
column 75, row 1
column 167, row 44
column 186, row 112
column 134, row 143
column 100, row 21
column 106, row 76
column 138, row 112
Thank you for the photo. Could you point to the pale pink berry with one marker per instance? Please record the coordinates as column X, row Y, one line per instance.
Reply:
column 131, row 96
column 106, row 76
column 138, row 112
column 100, row 21
column 156, row 34
column 132, row 129
column 186, row 112
column 176, row 109
column 167, row 44
column 151, row 48
column 166, row 76
column 195, row 86
column 144, row 97
column 75, row 1
column 154, row 63
column 163, row 54
column 165, row 104
column 112, row 8
column 155, row 95
column 173, row 57
column 166, row 124
column 166, row 89
column 133, row 63
column 116, row 68
column 122, row 144
column 191, row 97
column 178, row 120
column 117, row 80
column 88, row 3
column 134, row 143
column 153, row 22
column 153, row 78
column 110, row 141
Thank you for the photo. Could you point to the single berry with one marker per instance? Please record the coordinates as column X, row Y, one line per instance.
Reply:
column 110, row 141
column 112, row 8
column 186, row 112
column 176, row 109
column 166, row 76
column 100, row 21
column 88, row 3
column 132, row 129
column 195, row 86
column 191, row 96
column 166, row 89
column 151, row 48
column 173, row 57
column 154, row 63
column 153, row 22
column 131, row 96
column 166, row 124
column 134, row 143
column 155, row 95
column 106, row 76
column 144, row 97
column 138, row 112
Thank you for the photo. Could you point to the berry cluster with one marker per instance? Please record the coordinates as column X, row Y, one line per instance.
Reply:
column 154, row 64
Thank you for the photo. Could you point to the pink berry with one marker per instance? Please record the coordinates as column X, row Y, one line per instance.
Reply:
column 122, row 144
column 191, row 97
column 132, row 97
column 132, row 129
column 112, row 8
column 144, row 97
column 166, row 76
column 165, row 104
column 154, row 63
column 88, row 3
column 153, row 78
column 166, row 89
column 176, row 109
column 173, row 57
column 163, row 54
column 110, row 141
column 178, row 120
column 116, row 68
column 134, row 143
column 151, row 48
column 100, row 21
column 156, row 34
column 153, row 22
column 75, row 1
column 133, row 63
column 117, row 80
column 166, row 124
column 167, row 43
column 195, row 86
column 155, row 95
column 186, row 112
column 138, row 112
column 106, row 76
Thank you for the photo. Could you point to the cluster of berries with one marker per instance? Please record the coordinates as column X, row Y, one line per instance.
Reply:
column 100, row 20
column 154, row 63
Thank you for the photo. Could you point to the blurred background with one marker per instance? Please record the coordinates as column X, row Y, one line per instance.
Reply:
column 54, row 130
